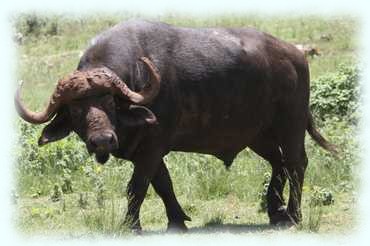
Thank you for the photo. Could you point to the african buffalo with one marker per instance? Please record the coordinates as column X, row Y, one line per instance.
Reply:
column 143, row 89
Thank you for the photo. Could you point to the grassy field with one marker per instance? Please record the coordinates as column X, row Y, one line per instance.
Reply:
column 61, row 190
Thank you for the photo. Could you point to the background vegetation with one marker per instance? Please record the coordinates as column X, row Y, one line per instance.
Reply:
column 60, row 189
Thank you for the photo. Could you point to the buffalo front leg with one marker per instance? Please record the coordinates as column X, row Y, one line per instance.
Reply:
column 144, row 171
column 136, row 191
column 162, row 184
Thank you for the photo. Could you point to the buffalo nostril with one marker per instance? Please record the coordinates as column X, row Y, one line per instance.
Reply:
column 93, row 144
column 103, row 141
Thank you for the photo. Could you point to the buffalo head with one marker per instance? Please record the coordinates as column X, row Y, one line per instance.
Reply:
column 94, row 103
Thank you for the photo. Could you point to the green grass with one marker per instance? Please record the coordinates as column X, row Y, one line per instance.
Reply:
column 215, row 198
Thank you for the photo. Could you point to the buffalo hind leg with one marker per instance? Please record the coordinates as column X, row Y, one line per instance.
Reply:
column 267, row 147
column 295, row 158
column 275, row 199
column 162, row 184
column 295, row 169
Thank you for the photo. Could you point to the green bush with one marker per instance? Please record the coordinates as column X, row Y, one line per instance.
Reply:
column 335, row 95
column 321, row 197
column 40, row 168
column 36, row 25
column 56, row 157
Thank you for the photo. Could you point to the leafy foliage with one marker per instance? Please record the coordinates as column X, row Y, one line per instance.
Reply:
column 36, row 25
column 336, row 94
column 321, row 196
column 41, row 169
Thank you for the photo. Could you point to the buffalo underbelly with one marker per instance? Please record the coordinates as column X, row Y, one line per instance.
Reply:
column 209, row 144
column 215, row 138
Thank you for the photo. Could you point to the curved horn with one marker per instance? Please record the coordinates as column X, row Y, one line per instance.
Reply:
column 72, row 86
column 76, row 85
column 35, row 117
column 149, row 92
column 103, row 79
column 88, row 83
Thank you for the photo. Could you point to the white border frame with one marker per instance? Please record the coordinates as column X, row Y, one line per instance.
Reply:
column 8, row 233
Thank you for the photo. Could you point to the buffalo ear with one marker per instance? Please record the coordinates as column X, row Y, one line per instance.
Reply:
column 138, row 116
column 57, row 129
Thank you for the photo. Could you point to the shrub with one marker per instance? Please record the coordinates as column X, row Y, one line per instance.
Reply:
column 61, row 157
column 336, row 94
column 321, row 197
column 40, row 168
column 36, row 25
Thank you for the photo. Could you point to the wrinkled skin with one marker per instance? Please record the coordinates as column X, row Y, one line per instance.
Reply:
column 222, row 90
column 95, row 122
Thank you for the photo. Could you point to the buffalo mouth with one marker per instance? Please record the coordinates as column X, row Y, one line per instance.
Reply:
column 101, row 145
column 101, row 157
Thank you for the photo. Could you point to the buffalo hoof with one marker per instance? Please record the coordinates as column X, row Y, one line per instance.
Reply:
column 136, row 231
column 133, row 228
column 282, row 218
column 176, row 227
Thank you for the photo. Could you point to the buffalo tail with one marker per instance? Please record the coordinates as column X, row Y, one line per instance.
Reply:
column 319, row 139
